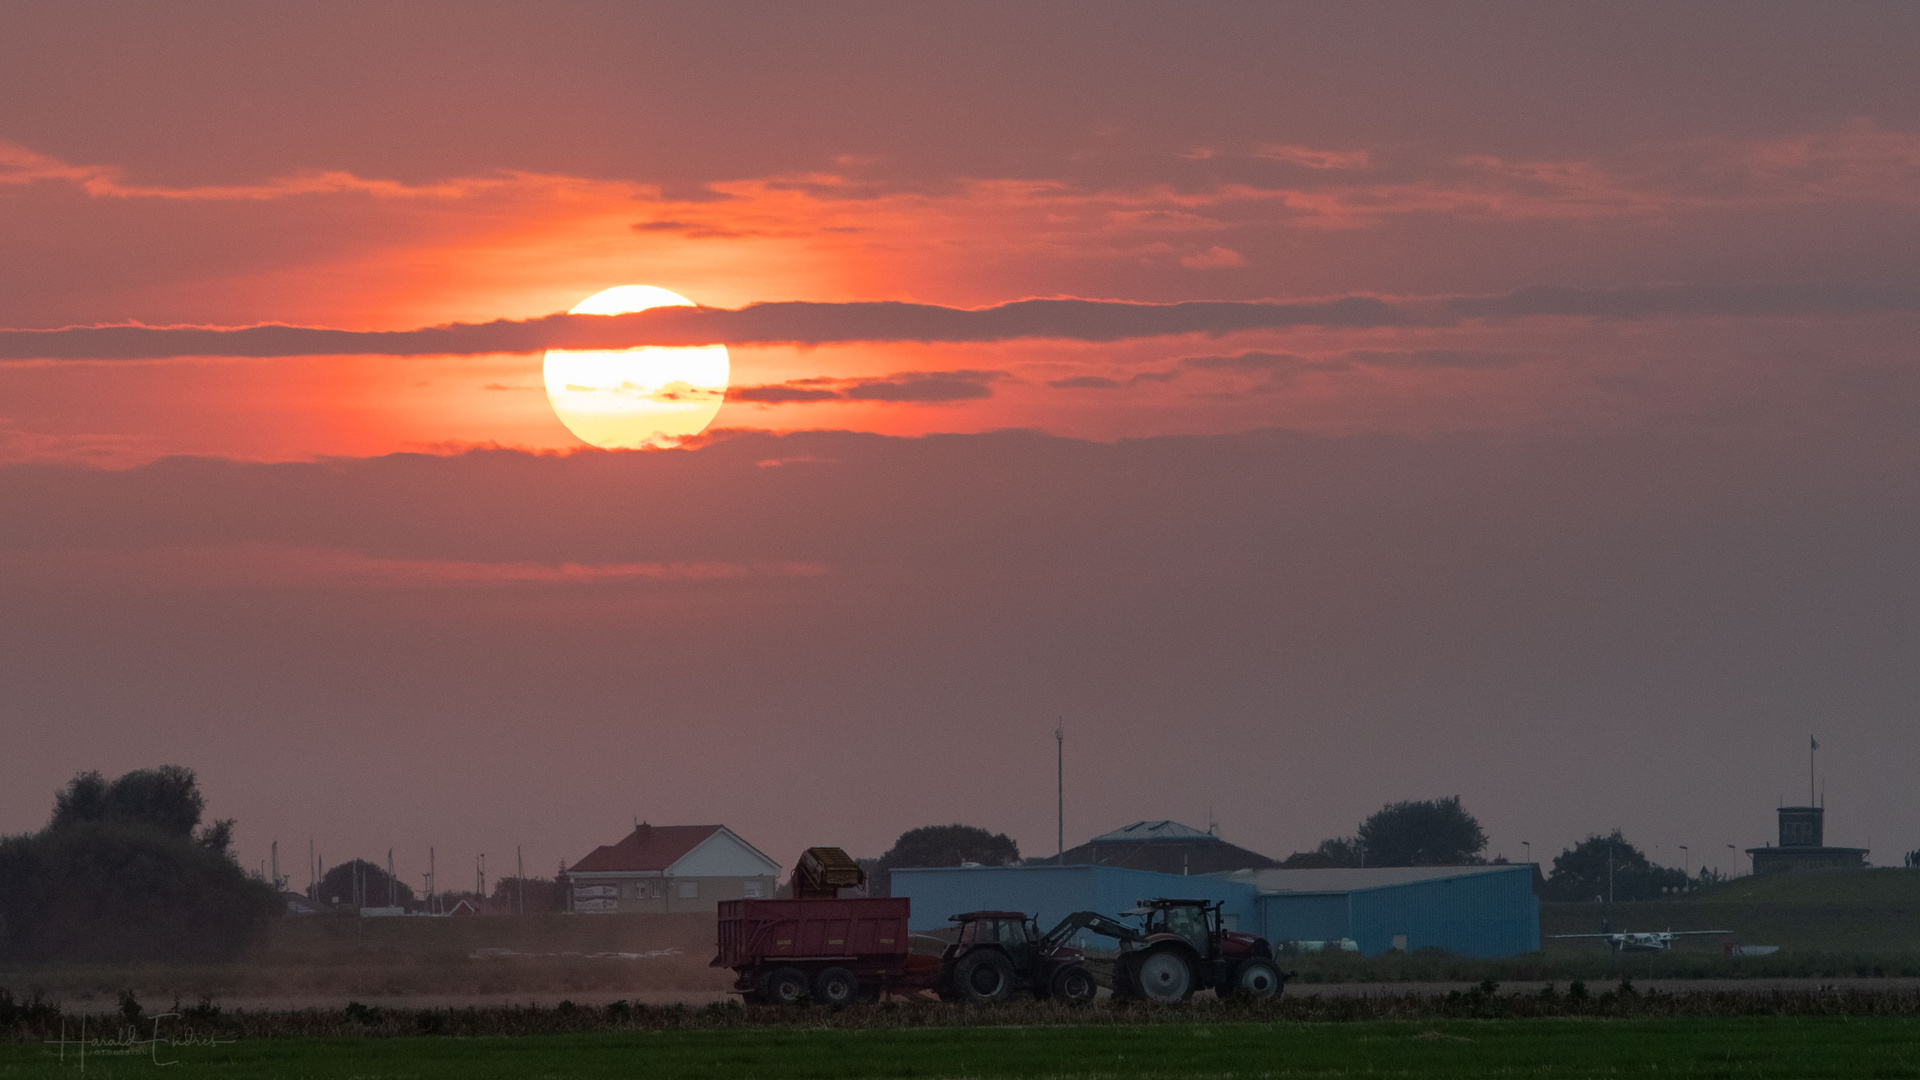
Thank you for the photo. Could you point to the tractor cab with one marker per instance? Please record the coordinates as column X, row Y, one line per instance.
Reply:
column 1200, row 924
column 1194, row 922
column 1013, row 932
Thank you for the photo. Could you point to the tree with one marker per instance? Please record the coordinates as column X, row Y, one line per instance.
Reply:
column 167, row 798
column 1580, row 873
column 950, row 845
column 117, row 875
column 337, row 886
column 1431, row 832
column 939, row 845
column 1340, row 851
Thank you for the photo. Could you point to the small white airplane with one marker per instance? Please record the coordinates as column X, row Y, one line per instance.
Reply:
column 1630, row 942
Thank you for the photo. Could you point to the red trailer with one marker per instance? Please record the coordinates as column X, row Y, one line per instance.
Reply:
column 836, row 949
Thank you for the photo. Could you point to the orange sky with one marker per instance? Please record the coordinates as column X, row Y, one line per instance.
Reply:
column 1420, row 551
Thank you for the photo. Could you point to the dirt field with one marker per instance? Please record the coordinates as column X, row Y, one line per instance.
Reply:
column 327, row 960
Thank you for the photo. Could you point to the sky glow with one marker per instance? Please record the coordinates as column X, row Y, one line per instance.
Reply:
column 1391, row 401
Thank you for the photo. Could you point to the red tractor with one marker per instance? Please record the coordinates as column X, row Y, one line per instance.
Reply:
column 998, row 954
column 1184, row 946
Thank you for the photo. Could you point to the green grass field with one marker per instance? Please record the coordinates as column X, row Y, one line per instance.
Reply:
column 1740, row 1047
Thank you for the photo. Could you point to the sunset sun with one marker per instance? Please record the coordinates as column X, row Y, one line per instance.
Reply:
column 632, row 398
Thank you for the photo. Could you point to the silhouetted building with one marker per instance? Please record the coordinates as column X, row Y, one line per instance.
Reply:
column 671, row 868
column 1803, row 845
column 1165, row 847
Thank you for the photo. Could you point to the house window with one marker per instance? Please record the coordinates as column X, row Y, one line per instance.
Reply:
column 689, row 890
column 750, row 890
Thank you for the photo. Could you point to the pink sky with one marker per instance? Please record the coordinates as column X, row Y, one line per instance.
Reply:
column 1613, row 513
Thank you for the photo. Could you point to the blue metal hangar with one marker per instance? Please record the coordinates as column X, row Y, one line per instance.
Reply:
column 1466, row 910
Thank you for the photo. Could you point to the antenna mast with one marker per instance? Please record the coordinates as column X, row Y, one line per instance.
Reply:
column 1813, row 745
column 1060, row 787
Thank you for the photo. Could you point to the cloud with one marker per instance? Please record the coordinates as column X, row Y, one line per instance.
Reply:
column 1426, row 358
column 1316, row 159
column 907, row 387
column 1246, row 361
column 809, row 323
column 1214, row 258
column 1658, row 301
column 1101, row 382
column 781, row 394
column 794, row 322
column 1279, row 364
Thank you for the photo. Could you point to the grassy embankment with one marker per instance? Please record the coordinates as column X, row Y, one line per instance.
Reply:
column 1804, row 1047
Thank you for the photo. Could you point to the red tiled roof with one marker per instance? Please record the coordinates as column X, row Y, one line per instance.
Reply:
column 649, row 847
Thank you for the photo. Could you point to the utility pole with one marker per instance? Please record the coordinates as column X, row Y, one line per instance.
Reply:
column 1060, row 787
column 1609, row 871
column 1686, row 862
column 1813, row 745
column 520, row 882
column 433, row 886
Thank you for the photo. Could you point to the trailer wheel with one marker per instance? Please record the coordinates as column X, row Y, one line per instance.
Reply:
column 1163, row 975
column 983, row 977
column 1255, row 980
column 835, row 987
column 1073, row 985
column 784, row 986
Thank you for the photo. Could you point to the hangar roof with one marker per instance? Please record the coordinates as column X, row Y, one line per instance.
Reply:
column 1152, row 830
column 1353, row 879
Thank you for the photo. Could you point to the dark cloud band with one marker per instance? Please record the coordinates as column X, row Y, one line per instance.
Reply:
column 821, row 324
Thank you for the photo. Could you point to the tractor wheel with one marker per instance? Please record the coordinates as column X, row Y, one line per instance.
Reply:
column 1163, row 975
column 1073, row 985
column 983, row 977
column 835, row 987
column 1255, row 980
column 784, row 986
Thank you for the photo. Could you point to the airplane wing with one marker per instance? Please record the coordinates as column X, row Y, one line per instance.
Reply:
column 1684, row 933
column 1583, row 935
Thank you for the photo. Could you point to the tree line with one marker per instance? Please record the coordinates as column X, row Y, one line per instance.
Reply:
column 1429, row 832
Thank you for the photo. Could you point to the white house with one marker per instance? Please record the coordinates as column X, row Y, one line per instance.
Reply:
column 671, row 868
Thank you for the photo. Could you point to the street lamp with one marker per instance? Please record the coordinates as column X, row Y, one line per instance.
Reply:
column 1686, row 862
column 1733, row 861
column 1529, row 848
